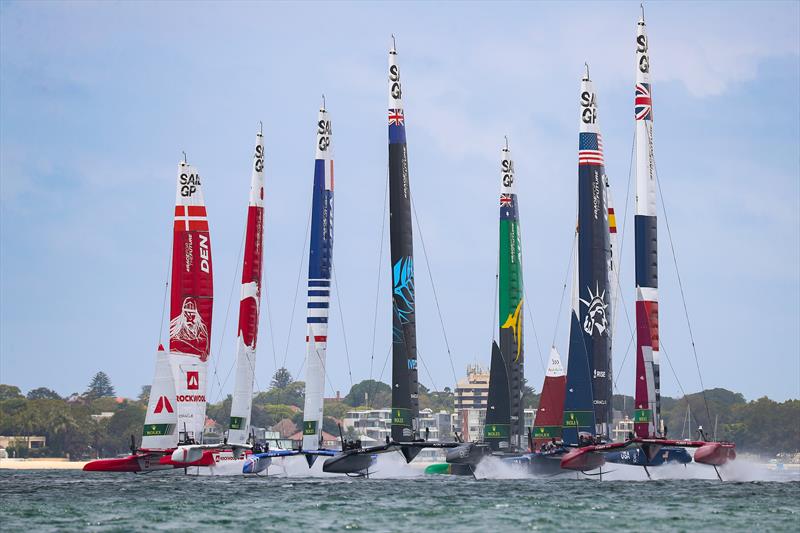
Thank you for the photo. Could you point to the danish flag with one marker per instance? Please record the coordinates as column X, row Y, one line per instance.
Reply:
column 191, row 218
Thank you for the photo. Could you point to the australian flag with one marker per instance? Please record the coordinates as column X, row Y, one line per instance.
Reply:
column 508, row 207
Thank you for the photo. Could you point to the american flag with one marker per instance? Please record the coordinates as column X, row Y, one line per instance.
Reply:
column 590, row 149
column 643, row 102
column 505, row 200
column 396, row 117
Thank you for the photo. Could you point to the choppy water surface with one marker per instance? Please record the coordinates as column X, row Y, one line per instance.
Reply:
column 78, row 501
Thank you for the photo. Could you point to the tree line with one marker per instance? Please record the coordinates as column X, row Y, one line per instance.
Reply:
column 76, row 427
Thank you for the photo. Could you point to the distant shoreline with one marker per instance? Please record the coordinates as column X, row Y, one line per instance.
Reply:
column 53, row 463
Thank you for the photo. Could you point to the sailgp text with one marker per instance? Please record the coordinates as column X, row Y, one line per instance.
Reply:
column 189, row 183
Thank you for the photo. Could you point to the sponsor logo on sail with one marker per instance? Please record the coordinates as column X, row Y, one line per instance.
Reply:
column 193, row 380
column 162, row 404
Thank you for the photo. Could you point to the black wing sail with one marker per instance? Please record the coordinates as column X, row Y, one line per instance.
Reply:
column 405, row 401
column 497, row 427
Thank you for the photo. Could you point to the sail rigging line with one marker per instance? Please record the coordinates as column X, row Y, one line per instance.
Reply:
column 680, row 286
column 225, row 325
column 341, row 319
column 619, row 261
column 529, row 313
column 564, row 288
column 164, row 302
column 621, row 296
column 297, row 286
column 435, row 387
column 269, row 317
column 380, row 265
column 680, row 386
column 619, row 292
column 433, row 286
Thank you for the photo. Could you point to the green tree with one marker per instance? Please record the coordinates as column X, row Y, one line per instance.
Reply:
column 9, row 392
column 43, row 393
column 530, row 400
column 377, row 393
column 291, row 394
column 336, row 409
column 281, row 379
column 99, row 387
column 144, row 395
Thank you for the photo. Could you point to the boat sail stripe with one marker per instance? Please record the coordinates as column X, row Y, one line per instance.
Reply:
column 319, row 293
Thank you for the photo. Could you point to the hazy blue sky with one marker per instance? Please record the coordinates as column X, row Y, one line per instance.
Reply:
column 97, row 100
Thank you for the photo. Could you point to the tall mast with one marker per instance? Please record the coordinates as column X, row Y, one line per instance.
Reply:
column 191, row 301
column 646, row 419
column 594, row 253
column 250, row 300
column 510, row 294
column 320, row 261
column 405, row 400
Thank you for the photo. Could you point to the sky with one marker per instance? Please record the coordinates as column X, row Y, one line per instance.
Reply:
column 98, row 100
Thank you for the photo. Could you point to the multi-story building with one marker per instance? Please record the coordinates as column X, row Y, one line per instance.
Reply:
column 376, row 424
column 471, row 395
column 472, row 392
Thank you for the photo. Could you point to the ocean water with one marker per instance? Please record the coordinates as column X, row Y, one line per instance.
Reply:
column 401, row 497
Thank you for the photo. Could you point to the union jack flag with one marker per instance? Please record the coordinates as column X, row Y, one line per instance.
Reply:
column 644, row 102
column 396, row 117
column 505, row 200
column 590, row 149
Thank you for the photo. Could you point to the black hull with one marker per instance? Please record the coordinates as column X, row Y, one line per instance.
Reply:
column 348, row 463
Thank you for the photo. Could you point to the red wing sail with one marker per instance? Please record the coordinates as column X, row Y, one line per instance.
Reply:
column 191, row 302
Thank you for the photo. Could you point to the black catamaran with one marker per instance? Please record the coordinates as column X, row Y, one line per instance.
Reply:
column 355, row 459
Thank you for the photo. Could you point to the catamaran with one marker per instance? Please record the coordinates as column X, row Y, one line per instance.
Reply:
column 355, row 459
column 649, row 446
column 504, row 429
column 176, row 409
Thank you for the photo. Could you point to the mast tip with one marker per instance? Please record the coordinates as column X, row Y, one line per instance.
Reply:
column 185, row 162
column 323, row 102
column 506, row 138
column 260, row 128
column 586, row 74
column 394, row 44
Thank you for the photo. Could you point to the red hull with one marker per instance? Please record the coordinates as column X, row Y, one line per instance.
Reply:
column 583, row 459
column 120, row 464
column 715, row 453
column 145, row 462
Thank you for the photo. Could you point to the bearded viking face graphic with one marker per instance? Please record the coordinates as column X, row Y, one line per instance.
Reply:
column 596, row 318
column 187, row 332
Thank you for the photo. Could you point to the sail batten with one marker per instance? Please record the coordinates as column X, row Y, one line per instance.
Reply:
column 249, row 303
column 320, row 261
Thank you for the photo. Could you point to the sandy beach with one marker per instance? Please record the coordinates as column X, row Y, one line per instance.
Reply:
column 54, row 463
